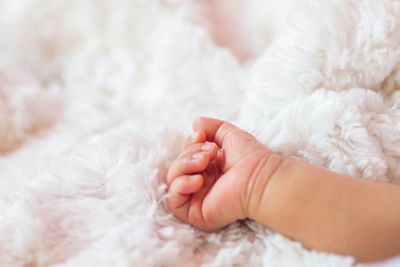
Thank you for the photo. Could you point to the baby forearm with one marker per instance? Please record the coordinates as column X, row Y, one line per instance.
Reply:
column 331, row 212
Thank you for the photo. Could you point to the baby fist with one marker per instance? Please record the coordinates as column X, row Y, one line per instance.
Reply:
column 213, row 181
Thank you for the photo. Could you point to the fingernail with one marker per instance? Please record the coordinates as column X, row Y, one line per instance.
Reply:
column 196, row 156
column 194, row 177
column 206, row 147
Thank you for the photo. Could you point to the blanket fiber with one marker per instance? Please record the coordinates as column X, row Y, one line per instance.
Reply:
column 96, row 97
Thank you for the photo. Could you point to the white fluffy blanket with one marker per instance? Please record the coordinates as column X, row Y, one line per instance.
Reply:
column 96, row 97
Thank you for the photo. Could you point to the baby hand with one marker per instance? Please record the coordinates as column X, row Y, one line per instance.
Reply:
column 219, row 177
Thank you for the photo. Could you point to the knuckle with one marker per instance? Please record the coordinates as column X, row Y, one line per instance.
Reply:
column 183, row 164
column 192, row 148
column 189, row 140
column 184, row 157
column 182, row 160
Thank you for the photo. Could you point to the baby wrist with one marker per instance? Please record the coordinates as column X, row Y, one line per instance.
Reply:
column 259, row 186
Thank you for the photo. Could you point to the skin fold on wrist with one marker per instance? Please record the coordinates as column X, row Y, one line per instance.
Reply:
column 258, row 187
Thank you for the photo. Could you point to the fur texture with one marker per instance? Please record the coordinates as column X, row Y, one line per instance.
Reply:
column 96, row 97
